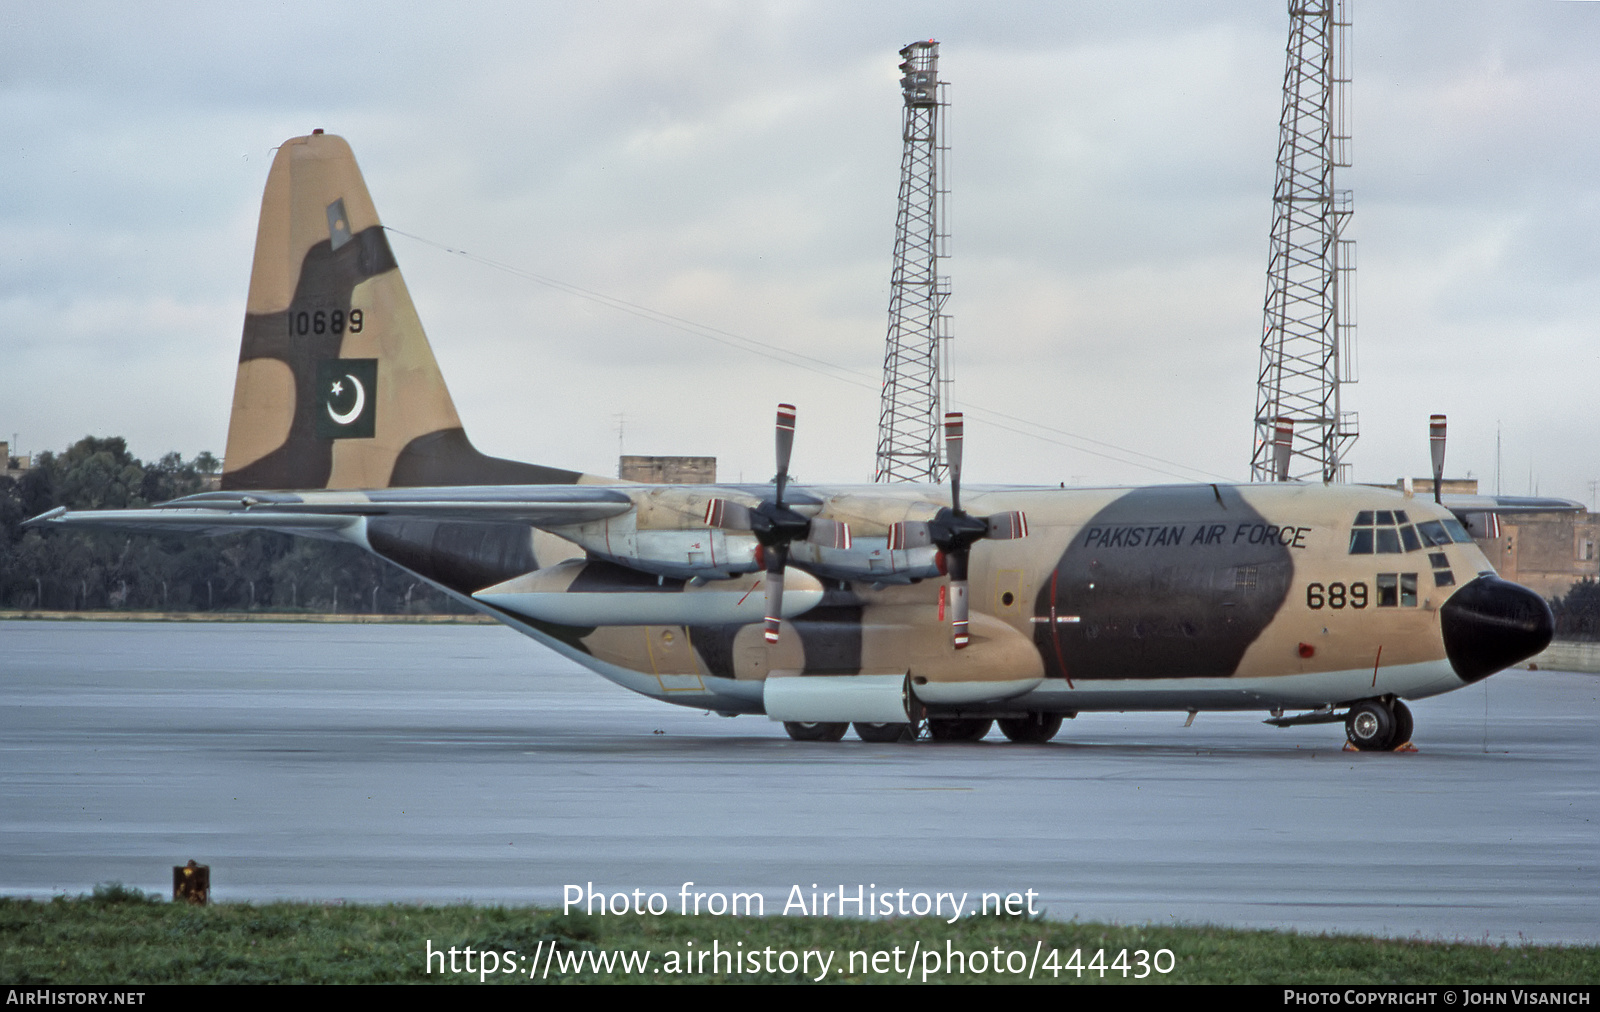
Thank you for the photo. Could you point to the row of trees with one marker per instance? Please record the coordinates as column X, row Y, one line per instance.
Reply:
column 1578, row 612
column 76, row 570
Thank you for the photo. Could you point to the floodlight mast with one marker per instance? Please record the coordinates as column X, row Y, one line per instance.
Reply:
column 1308, row 334
column 916, row 358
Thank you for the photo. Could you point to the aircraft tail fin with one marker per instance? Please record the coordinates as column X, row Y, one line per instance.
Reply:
column 337, row 386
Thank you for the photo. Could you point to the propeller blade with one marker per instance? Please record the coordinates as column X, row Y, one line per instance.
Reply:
column 958, row 598
column 1282, row 444
column 1008, row 526
column 953, row 439
column 829, row 534
column 785, row 446
column 777, row 558
column 1436, row 444
column 909, row 534
column 728, row 515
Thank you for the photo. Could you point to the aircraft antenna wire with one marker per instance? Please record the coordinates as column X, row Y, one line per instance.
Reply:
column 822, row 367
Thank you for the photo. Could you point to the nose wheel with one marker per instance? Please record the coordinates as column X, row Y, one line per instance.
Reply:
column 1375, row 726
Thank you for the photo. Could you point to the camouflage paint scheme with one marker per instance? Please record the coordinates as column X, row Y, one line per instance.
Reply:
column 1172, row 597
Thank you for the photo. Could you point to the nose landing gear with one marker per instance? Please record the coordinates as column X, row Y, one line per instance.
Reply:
column 1374, row 725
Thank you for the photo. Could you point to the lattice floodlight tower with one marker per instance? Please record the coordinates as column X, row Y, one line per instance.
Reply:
column 916, row 363
column 1308, row 336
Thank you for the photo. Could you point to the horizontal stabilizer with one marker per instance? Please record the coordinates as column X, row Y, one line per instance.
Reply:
column 192, row 521
column 305, row 512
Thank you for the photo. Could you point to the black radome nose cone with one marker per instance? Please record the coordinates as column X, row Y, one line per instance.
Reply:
column 1491, row 624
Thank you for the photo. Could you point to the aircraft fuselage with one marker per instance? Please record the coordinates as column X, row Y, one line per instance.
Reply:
column 1166, row 597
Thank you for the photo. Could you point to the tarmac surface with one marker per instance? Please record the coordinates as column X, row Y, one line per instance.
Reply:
column 459, row 763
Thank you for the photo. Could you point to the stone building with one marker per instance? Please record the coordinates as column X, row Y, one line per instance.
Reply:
column 13, row 466
column 668, row 470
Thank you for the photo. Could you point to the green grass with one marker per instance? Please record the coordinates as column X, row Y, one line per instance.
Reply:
column 120, row 936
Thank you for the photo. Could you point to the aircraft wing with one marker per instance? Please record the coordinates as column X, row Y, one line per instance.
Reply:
column 1508, row 504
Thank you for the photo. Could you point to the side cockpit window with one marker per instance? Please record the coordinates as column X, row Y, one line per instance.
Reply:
column 1433, row 533
column 1383, row 532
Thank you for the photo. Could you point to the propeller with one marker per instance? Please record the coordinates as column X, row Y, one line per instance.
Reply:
column 1282, row 444
column 775, row 525
column 1436, row 444
column 954, row 531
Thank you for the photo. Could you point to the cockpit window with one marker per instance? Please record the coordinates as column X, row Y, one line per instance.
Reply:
column 1458, row 533
column 1433, row 533
column 1383, row 532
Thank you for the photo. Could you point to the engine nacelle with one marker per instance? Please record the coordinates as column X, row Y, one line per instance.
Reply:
column 589, row 592
column 869, row 560
column 685, row 554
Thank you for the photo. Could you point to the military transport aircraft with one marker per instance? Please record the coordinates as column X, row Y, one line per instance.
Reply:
column 890, row 607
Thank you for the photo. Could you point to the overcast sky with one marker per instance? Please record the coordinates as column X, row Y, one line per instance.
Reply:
column 735, row 165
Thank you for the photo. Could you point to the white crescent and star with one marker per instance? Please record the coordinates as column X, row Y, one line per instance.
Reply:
column 347, row 417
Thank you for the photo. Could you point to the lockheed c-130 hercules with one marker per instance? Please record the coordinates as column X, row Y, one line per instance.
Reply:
column 882, row 606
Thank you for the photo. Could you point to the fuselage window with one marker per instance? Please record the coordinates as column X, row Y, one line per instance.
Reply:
column 1442, row 576
column 1388, row 590
column 1397, row 590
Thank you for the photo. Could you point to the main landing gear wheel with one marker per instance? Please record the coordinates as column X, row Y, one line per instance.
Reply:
column 1371, row 726
column 807, row 730
column 883, row 732
column 958, row 728
column 1034, row 729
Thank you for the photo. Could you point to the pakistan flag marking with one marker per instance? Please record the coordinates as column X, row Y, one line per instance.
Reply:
column 346, row 398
